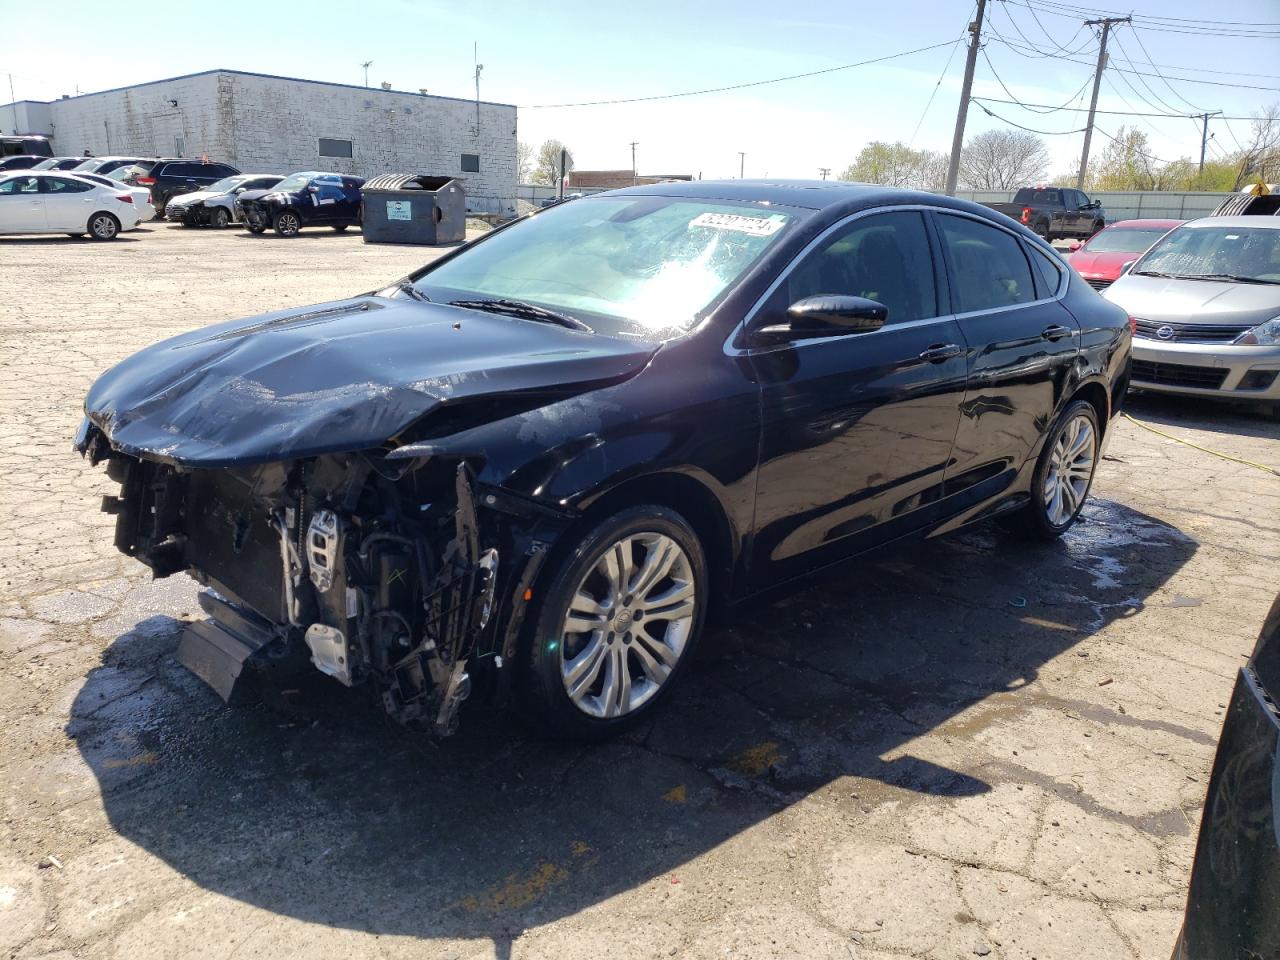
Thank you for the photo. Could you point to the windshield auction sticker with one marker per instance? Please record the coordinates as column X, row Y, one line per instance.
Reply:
column 754, row 226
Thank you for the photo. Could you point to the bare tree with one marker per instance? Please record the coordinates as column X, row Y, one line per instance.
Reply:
column 1002, row 160
column 547, row 164
column 524, row 162
column 1260, row 158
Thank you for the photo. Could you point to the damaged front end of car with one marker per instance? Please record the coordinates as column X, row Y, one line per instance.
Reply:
column 409, row 576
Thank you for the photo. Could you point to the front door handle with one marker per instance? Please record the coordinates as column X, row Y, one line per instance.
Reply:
column 941, row 351
column 1056, row 332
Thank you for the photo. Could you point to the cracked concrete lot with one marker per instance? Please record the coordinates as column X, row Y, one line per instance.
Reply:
column 975, row 747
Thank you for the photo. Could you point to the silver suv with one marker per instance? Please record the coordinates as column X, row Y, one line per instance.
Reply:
column 1206, row 301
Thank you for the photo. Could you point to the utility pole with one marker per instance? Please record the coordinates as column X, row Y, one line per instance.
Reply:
column 742, row 165
column 479, row 67
column 824, row 171
column 367, row 64
column 1204, row 134
column 970, row 61
column 13, row 100
column 1097, row 82
column 633, row 161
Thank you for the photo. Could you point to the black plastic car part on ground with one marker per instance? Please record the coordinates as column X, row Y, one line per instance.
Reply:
column 1233, row 906
column 544, row 459
column 304, row 200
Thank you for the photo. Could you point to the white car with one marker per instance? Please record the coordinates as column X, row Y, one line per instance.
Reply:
column 47, row 202
column 141, row 195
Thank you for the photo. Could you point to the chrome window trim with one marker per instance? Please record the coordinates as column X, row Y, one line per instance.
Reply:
column 733, row 346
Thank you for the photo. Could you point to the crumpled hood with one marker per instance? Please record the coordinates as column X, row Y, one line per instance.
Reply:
column 346, row 375
column 274, row 197
column 1195, row 301
column 1101, row 266
column 187, row 199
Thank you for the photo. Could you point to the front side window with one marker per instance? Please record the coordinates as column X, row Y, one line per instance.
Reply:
column 645, row 266
column 988, row 267
column 335, row 148
column 884, row 257
column 17, row 185
column 1243, row 254
column 297, row 181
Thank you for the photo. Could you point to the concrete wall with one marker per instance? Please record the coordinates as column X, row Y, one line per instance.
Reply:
column 1129, row 205
column 273, row 125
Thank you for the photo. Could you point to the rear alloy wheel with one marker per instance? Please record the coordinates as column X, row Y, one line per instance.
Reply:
column 221, row 217
column 103, row 226
column 618, row 623
column 287, row 223
column 1064, row 472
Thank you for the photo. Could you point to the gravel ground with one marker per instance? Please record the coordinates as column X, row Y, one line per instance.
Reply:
column 971, row 748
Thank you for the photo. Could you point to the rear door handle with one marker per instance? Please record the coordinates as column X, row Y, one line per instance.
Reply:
column 941, row 351
column 1056, row 332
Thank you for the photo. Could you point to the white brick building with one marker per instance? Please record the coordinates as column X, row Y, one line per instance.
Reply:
column 267, row 124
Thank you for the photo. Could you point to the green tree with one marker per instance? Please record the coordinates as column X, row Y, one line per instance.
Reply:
column 524, row 162
column 893, row 164
column 547, row 163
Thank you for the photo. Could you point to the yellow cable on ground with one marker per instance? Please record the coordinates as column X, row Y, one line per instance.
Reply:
column 1225, row 456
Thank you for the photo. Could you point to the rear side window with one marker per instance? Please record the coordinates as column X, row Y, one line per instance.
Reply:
column 1050, row 271
column 988, row 267
column 58, row 185
column 20, row 185
column 884, row 257
column 218, row 170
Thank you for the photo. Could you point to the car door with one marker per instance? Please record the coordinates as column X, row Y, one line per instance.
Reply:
column 1077, row 220
column 21, row 205
column 1023, row 345
column 67, row 203
column 857, row 428
column 328, row 199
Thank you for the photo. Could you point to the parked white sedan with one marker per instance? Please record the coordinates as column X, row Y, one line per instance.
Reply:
column 141, row 195
column 46, row 202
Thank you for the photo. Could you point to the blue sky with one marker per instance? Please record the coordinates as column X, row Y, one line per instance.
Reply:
column 570, row 51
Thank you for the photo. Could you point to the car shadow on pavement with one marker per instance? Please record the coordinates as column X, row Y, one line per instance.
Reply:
column 315, row 807
column 48, row 240
column 1238, row 419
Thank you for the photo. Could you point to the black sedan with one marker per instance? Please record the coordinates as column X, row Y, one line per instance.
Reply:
column 539, row 463
column 1233, row 907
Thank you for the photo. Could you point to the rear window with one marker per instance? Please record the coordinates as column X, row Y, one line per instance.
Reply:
column 1038, row 195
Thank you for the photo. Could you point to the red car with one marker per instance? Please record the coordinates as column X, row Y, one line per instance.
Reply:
column 1102, row 258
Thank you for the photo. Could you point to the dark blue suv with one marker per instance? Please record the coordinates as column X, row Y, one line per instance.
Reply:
column 304, row 200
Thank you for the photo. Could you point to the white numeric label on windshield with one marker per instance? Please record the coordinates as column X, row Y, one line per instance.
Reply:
column 755, row 226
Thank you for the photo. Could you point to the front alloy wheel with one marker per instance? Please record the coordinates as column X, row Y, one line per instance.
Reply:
column 287, row 224
column 617, row 624
column 627, row 625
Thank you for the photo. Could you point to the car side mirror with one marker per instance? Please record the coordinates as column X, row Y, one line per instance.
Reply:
column 313, row 189
column 1075, row 245
column 1128, row 265
column 825, row 315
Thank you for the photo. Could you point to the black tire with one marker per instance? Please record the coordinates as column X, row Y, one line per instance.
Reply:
column 1041, row 229
column 544, row 686
column 253, row 227
column 103, row 226
column 1098, row 227
column 339, row 227
column 1035, row 519
column 286, row 223
column 220, row 218
column 75, row 236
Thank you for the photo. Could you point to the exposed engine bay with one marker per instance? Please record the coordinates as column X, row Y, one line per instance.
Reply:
column 406, row 575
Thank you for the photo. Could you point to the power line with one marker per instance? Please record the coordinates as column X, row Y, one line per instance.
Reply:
column 1019, row 48
column 1159, row 99
column 739, row 86
column 925, row 112
column 1047, row 133
column 1075, row 96
column 1163, row 25
column 1143, row 47
column 1117, row 113
column 1149, row 156
column 1061, row 49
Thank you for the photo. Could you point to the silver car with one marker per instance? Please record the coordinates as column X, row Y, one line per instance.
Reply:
column 1206, row 302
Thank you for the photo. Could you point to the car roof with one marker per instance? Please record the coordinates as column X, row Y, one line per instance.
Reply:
column 1145, row 224
column 806, row 194
column 1269, row 223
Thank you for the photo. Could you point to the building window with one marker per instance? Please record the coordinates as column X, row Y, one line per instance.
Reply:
column 335, row 148
column 471, row 163
column 179, row 146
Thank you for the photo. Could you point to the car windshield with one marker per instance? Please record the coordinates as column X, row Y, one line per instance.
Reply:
column 1131, row 240
column 225, row 185
column 295, row 181
column 47, row 164
column 637, row 266
column 1217, row 252
column 123, row 173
